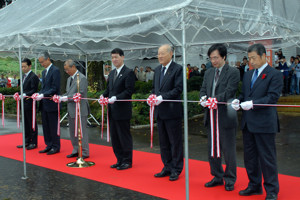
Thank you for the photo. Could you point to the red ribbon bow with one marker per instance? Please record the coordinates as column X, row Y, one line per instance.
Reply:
column 212, row 105
column 2, row 97
column 103, row 101
column 17, row 98
column 151, row 101
column 77, row 98
column 34, row 97
column 56, row 99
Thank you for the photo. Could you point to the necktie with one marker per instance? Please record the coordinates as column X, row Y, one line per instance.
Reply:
column 71, row 81
column 115, row 76
column 24, row 76
column 162, row 74
column 254, row 77
column 217, row 75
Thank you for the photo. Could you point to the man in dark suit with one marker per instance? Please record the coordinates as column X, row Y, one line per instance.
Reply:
column 262, row 85
column 50, row 87
column 120, row 85
column 221, row 82
column 30, row 86
column 168, row 84
column 71, row 90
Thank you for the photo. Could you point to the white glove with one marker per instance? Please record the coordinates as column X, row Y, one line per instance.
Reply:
column 235, row 104
column 63, row 98
column 159, row 100
column 203, row 101
column 38, row 98
column 247, row 105
column 112, row 99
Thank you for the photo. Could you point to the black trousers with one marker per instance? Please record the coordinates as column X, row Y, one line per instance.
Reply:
column 30, row 134
column 171, row 144
column 121, row 140
column 260, row 159
column 227, row 138
column 50, row 122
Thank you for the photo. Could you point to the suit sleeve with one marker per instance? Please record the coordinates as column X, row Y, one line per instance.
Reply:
column 178, row 86
column 203, row 91
column 129, row 86
column 231, row 87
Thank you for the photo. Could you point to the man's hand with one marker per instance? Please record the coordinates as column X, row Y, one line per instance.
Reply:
column 112, row 99
column 159, row 100
column 63, row 98
column 235, row 104
column 203, row 101
column 39, row 97
column 247, row 105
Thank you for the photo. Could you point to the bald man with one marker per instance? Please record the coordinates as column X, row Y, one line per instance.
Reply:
column 168, row 84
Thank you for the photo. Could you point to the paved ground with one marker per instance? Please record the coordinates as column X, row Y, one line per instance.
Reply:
column 48, row 184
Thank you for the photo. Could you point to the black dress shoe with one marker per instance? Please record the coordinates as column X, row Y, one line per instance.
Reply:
column 21, row 146
column 163, row 173
column 214, row 182
column 31, row 146
column 250, row 191
column 45, row 150
column 124, row 166
column 115, row 165
column 173, row 176
column 271, row 197
column 229, row 186
column 72, row 155
column 52, row 151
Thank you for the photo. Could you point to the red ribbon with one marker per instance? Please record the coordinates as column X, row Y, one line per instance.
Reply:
column 151, row 102
column 34, row 97
column 56, row 99
column 2, row 97
column 77, row 98
column 211, row 103
column 103, row 101
column 17, row 98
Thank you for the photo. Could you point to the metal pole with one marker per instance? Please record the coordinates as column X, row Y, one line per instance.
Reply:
column 22, row 111
column 86, row 66
column 186, row 149
column 174, row 54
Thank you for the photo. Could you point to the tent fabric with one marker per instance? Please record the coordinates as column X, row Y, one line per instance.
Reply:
column 79, row 28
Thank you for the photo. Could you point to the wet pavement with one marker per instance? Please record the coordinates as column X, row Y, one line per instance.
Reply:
column 49, row 184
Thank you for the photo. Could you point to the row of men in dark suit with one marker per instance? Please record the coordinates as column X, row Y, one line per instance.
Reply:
column 49, row 109
column 259, row 124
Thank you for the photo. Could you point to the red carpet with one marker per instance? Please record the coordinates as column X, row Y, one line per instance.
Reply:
column 140, row 177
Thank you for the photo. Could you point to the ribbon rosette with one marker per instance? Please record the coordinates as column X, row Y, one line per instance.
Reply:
column 34, row 97
column 103, row 101
column 151, row 101
column 77, row 98
column 17, row 98
column 56, row 99
column 212, row 105
column 2, row 97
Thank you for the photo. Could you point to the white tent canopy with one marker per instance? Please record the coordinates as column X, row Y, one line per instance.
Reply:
column 79, row 28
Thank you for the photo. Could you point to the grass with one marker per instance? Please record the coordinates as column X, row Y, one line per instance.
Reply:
column 10, row 66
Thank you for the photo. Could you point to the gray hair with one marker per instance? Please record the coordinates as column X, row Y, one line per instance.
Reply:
column 45, row 55
column 70, row 63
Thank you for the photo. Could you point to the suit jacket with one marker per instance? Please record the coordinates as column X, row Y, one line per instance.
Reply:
column 123, row 89
column 71, row 90
column 30, row 86
column 50, row 87
column 266, row 90
column 225, row 91
column 171, row 88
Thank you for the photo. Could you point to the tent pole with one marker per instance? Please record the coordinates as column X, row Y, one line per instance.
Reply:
column 22, row 112
column 174, row 54
column 86, row 66
column 186, row 149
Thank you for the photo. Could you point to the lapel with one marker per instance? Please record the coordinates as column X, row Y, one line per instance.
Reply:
column 167, row 73
column 259, row 79
column 27, row 78
column 119, row 75
column 210, row 81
